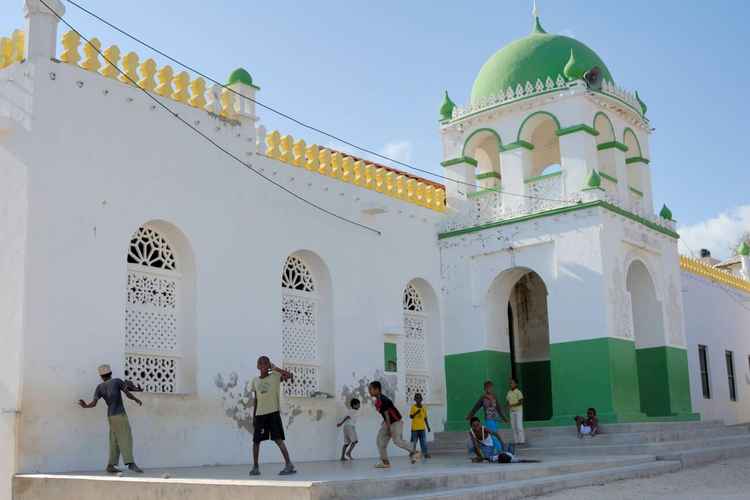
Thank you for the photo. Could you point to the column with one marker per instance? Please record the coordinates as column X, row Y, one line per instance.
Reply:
column 461, row 173
column 578, row 156
column 641, row 169
column 516, row 164
column 41, row 28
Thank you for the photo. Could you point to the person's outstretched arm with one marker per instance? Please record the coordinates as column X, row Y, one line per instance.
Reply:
column 474, row 409
column 84, row 404
column 131, row 397
column 285, row 375
column 343, row 420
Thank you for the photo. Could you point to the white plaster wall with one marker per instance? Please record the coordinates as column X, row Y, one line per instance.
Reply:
column 565, row 251
column 109, row 163
column 719, row 318
column 13, row 227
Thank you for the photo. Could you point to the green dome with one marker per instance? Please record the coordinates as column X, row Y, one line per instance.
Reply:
column 537, row 55
column 240, row 75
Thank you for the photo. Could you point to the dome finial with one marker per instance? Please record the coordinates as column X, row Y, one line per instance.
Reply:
column 537, row 25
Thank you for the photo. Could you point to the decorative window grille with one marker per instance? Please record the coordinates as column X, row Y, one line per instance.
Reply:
column 299, row 319
column 415, row 344
column 152, row 349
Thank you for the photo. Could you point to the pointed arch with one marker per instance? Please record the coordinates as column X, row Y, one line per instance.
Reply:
column 603, row 124
column 630, row 139
column 535, row 118
column 477, row 136
column 421, row 345
column 159, row 333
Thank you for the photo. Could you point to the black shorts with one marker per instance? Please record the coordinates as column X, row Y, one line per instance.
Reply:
column 268, row 426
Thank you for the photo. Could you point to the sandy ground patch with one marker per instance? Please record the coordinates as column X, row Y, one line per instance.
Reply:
column 725, row 480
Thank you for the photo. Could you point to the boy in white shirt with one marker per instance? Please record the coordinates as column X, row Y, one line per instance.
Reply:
column 350, row 429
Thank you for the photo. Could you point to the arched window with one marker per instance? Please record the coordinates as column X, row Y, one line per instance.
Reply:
column 299, row 313
column 415, row 344
column 152, row 343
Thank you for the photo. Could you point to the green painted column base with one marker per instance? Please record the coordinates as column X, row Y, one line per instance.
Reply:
column 664, row 381
column 465, row 375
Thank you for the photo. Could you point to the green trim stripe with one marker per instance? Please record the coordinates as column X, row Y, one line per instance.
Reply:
column 462, row 159
column 558, row 211
column 481, row 192
column 612, row 145
column 488, row 175
column 636, row 191
column 608, row 177
column 518, row 144
column 540, row 177
column 637, row 159
column 577, row 128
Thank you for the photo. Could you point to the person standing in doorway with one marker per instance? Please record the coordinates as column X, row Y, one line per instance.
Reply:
column 392, row 427
column 515, row 408
column 267, row 423
column 492, row 413
column 120, row 433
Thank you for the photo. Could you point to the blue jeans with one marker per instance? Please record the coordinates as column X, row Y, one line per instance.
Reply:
column 493, row 425
column 420, row 436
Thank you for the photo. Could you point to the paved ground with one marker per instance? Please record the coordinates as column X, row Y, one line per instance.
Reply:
column 726, row 480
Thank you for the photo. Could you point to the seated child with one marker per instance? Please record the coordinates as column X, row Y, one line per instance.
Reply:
column 481, row 442
column 588, row 426
column 350, row 429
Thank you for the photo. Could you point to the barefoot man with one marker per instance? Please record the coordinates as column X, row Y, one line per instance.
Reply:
column 267, row 423
column 120, row 435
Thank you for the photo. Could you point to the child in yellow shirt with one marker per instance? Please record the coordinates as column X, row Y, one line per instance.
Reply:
column 419, row 425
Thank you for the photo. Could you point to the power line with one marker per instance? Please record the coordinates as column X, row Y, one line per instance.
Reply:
column 207, row 138
column 290, row 117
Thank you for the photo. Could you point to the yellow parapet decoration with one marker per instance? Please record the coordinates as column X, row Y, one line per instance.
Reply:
column 349, row 169
column 720, row 276
column 181, row 82
column 287, row 146
column 313, row 158
column 130, row 68
column 91, row 55
column 227, row 104
column 164, row 75
column 19, row 46
column 335, row 169
column 70, row 42
column 112, row 58
column 198, row 89
column 299, row 151
column 6, row 52
column 147, row 70
column 273, row 140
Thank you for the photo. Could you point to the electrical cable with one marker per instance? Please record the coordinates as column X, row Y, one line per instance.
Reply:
column 292, row 118
column 207, row 138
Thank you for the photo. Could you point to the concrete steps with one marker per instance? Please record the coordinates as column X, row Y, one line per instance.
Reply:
column 482, row 476
column 507, row 490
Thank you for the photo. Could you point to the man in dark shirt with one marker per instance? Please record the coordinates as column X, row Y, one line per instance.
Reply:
column 392, row 428
column 120, row 434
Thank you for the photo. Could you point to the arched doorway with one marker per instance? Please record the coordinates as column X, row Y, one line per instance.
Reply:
column 519, row 325
column 648, row 330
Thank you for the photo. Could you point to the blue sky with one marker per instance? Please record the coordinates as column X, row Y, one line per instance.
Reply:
column 374, row 73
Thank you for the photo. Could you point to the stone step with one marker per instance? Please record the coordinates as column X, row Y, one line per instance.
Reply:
column 508, row 490
column 606, row 428
column 470, row 476
column 572, row 439
column 696, row 457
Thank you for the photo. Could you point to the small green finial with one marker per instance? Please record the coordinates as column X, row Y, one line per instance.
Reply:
column 240, row 75
column 446, row 109
column 537, row 25
column 744, row 249
column 665, row 213
column 572, row 70
column 594, row 180
column 644, row 108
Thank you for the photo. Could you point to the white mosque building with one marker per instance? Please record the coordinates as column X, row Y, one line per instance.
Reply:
column 127, row 236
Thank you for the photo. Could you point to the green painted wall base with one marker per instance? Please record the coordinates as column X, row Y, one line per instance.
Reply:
column 664, row 381
column 600, row 373
column 465, row 374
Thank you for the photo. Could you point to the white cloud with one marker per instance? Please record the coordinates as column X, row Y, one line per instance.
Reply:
column 717, row 234
column 398, row 150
